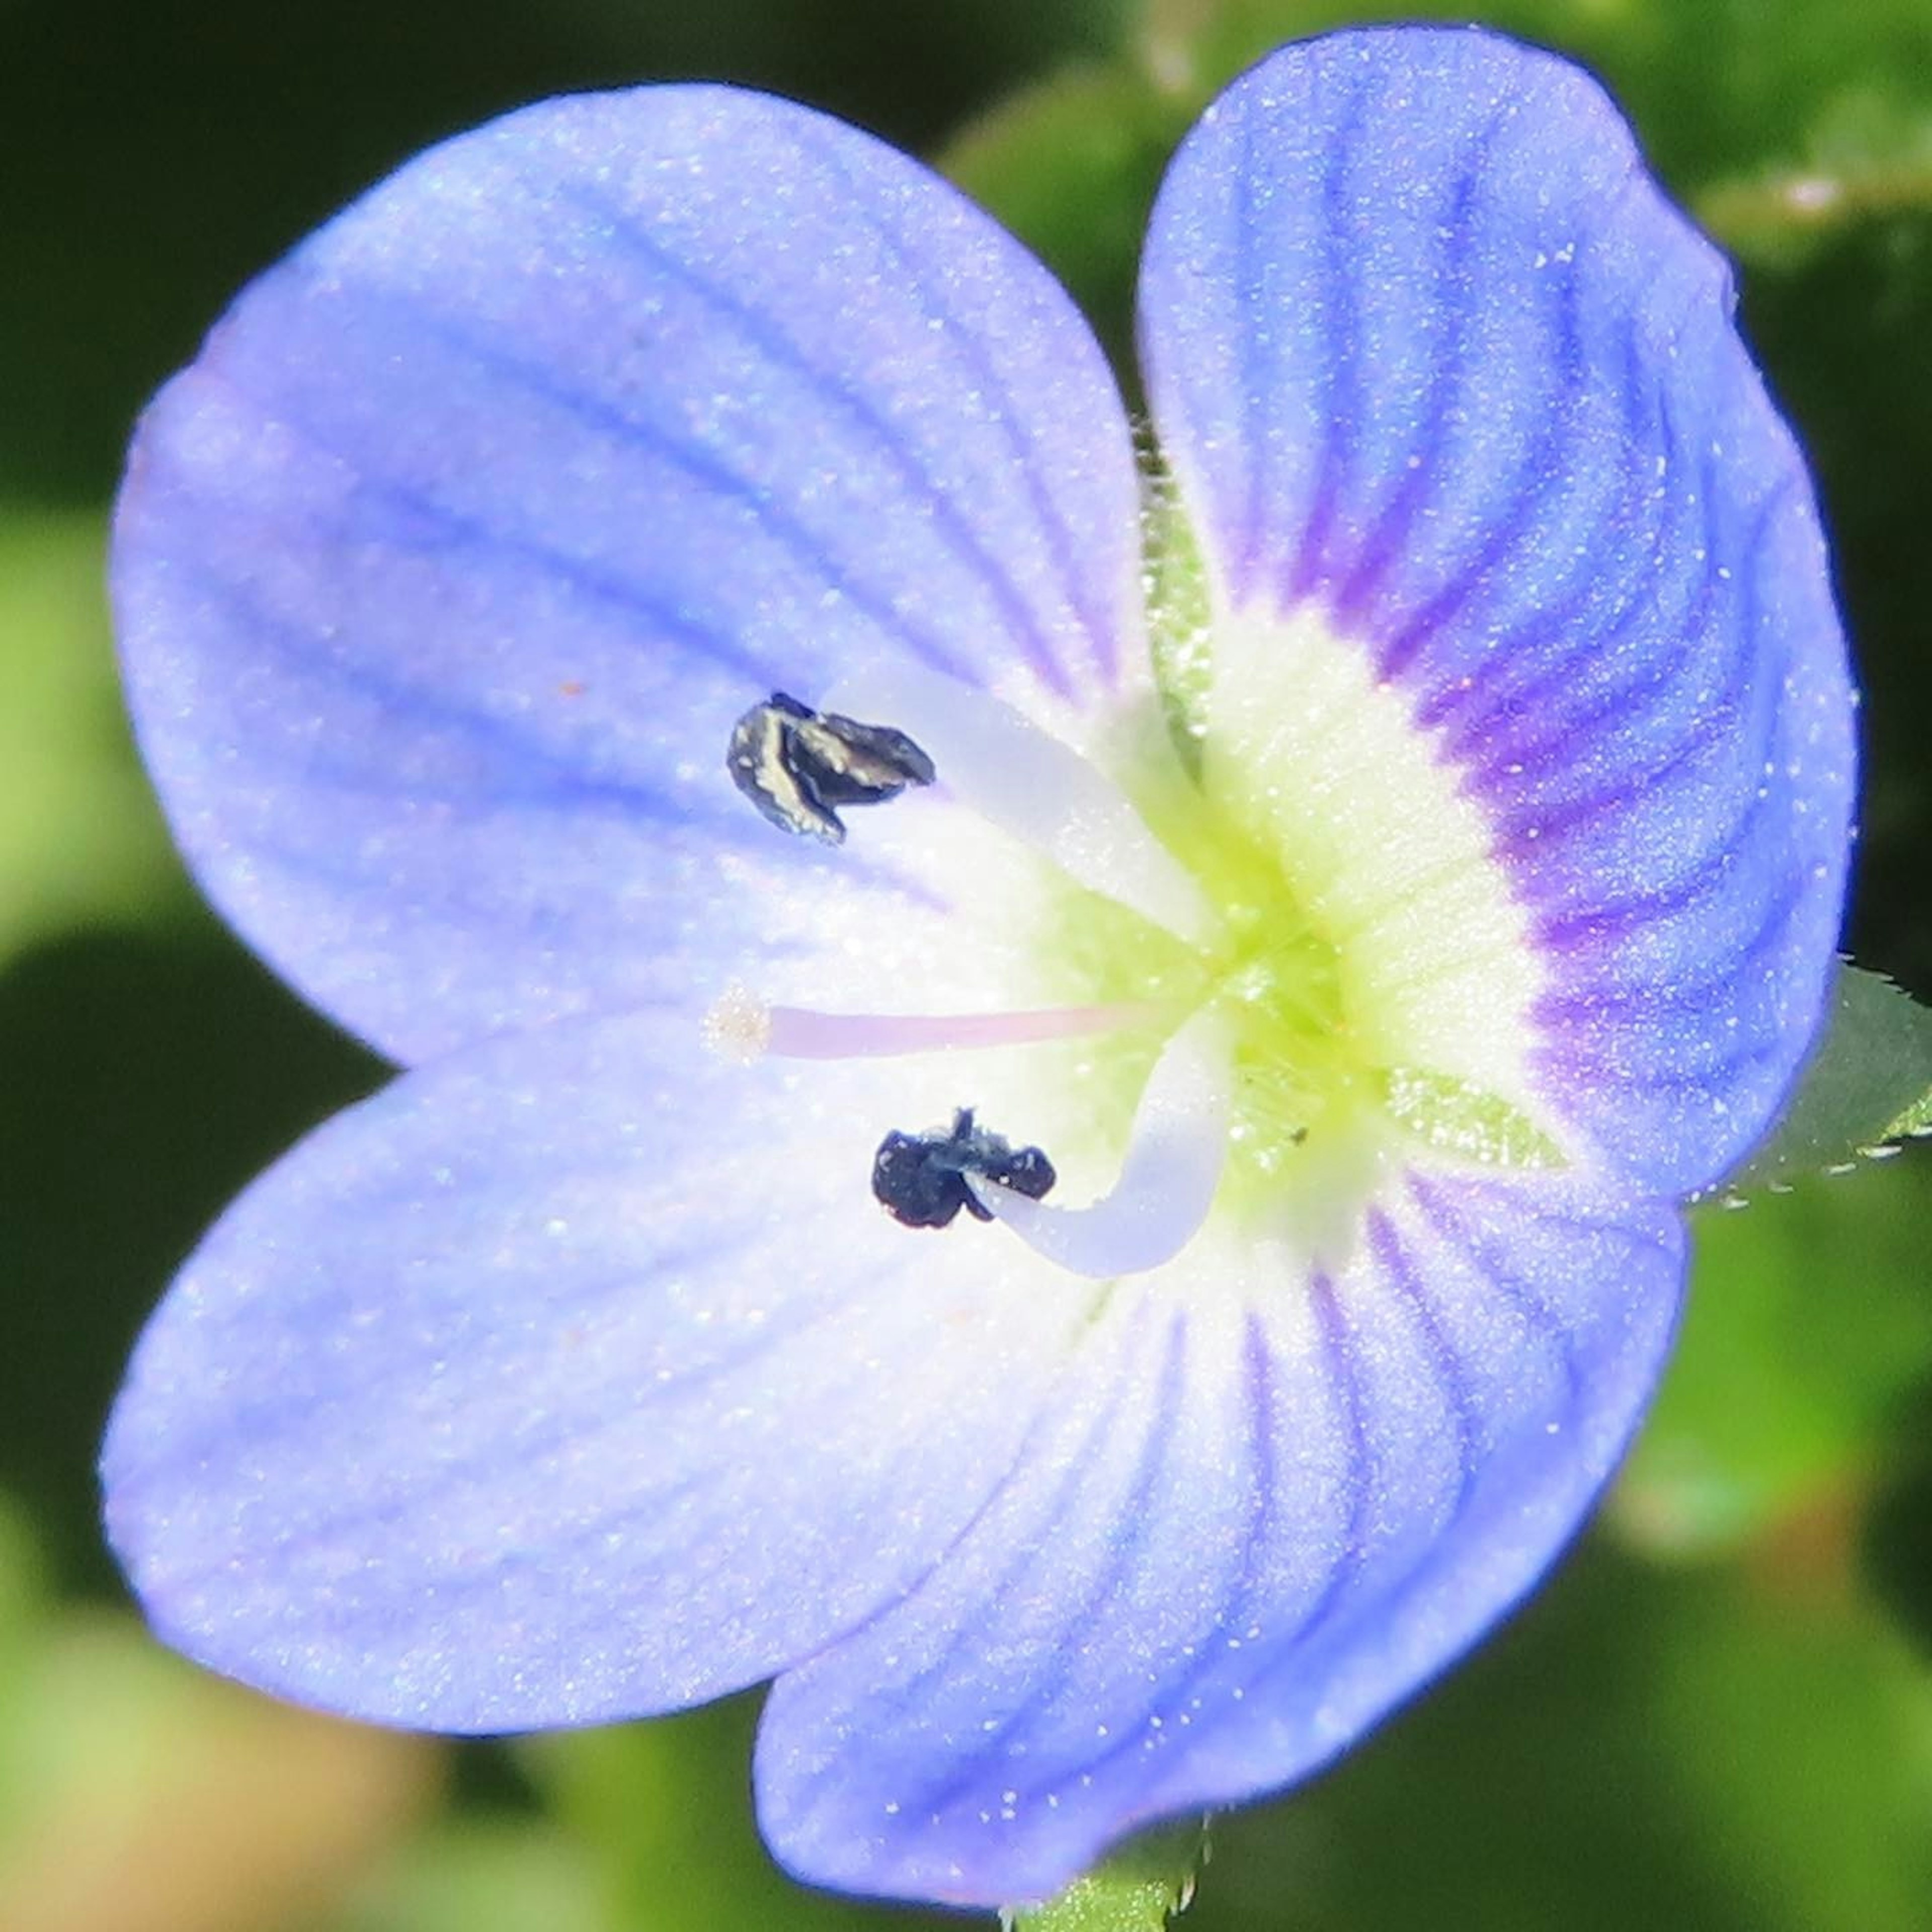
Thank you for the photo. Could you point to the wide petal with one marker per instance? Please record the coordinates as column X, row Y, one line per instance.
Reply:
column 443, row 573
column 575, row 1377
column 1431, row 355
column 1259, row 1512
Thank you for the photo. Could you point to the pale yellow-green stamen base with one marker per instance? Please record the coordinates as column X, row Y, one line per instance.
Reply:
column 1373, row 969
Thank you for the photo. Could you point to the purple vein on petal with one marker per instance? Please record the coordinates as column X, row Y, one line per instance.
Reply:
column 703, row 466
column 1451, row 1373
column 780, row 352
column 1340, row 380
column 1576, row 932
column 1246, row 1589
column 1123, row 1553
column 1506, row 535
column 1346, row 1381
column 1482, row 708
column 1021, row 1557
column 924, row 289
column 545, row 778
column 273, row 1415
column 1449, row 373
column 1571, row 1002
column 1244, row 563
column 1517, row 1294
column 444, row 528
column 277, row 639
column 1545, row 727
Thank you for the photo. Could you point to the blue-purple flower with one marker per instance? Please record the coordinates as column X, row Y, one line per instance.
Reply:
column 655, row 619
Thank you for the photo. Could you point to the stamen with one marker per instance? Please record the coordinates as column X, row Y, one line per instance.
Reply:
column 795, row 764
column 1038, row 790
column 1167, row 1180
column 742, row 1028
column 921, row 1179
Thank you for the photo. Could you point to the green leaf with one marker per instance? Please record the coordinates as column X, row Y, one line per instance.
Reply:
column 485, row 1873
column 1804, row 1329
column 81, row 840
column 1136, row 1889
column 1070, row 166
column 1867, row 158
column 1721, row 1749
column 660, row 1810
column 1868, row 1083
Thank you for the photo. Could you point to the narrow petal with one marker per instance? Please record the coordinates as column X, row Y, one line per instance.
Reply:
column 576, row 1377
column 1432, row 356
column 443, row 573
column 1260, row 1513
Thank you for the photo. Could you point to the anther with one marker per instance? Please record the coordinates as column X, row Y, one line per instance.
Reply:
column 797, row 765
column 920, row 1179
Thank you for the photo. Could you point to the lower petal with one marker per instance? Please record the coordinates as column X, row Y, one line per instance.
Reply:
column 1257, row 1515
column 574, row 1378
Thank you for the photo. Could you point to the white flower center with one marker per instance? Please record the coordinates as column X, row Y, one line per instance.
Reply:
column 1274, row 974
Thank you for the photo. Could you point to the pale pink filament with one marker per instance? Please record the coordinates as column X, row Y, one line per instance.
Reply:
column 744, row 1027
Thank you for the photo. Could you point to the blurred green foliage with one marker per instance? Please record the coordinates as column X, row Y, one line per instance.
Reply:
column 1718, row 1718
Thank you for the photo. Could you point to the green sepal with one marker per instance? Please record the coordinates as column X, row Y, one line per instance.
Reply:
column 1138, row 1888
column 1868, row 1085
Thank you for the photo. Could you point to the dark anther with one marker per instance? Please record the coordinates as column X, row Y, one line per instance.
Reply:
column 920, row 1179
column 796, row 765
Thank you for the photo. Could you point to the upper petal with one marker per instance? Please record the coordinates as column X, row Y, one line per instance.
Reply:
column 1260, row 1511
column 576, row 1376
column 442, row 574
column 1431, row 355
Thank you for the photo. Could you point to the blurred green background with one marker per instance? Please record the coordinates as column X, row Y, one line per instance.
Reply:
column 1720, row 1714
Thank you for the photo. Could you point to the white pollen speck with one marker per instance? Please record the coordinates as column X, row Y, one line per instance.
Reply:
column 891, row 1807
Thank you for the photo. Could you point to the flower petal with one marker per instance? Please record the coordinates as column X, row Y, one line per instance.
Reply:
column 1255, row 1518
column 575, row 1377
column 1431, row 355
column 443, row 573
